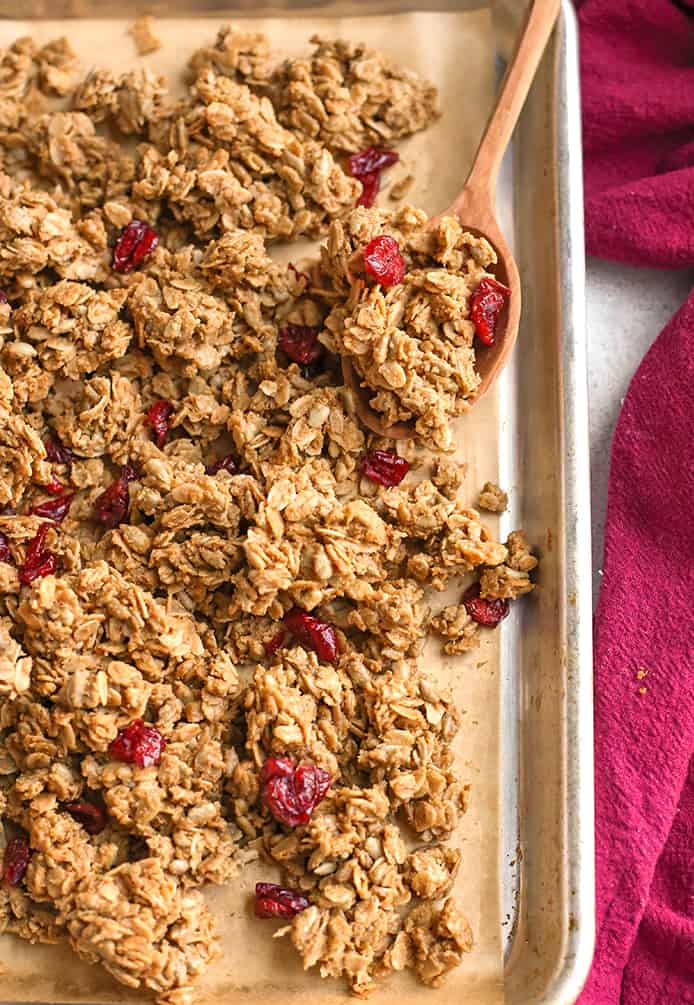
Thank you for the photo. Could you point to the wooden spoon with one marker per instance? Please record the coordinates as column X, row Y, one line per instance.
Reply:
column 475, row 208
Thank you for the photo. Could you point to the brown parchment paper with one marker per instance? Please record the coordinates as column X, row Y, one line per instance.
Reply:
column 455, row 51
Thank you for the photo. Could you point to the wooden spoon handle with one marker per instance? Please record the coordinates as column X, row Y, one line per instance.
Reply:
column 521, row 69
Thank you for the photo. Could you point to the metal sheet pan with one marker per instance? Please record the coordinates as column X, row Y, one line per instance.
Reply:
column 534, row 724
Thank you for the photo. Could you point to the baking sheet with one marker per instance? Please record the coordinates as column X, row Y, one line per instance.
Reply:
column 456, row 51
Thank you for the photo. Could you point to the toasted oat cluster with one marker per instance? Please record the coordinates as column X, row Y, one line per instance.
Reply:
column 411, row 342
column 214, row 583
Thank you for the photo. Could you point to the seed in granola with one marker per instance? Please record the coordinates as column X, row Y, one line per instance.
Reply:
column 226, row 463
column 292, row 793
column 139, row 744
column 384, row 467
column 111, row 507
column 274, row 901
column 485, row 611
column 316, row 634
column 54, row 509
column 300, row 342
column 54, row 487
column 158, row 416
column 275, row 643
column 57, row 451
column 136, row 241
column 367, row 167
column 383, row 261
column 5, row 553
column 297, row 272
column 487, row 302
column 91, row 816
column 15, row 861
column 39, row 560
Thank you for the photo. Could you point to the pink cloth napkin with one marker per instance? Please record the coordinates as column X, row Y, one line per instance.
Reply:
column 638, row 101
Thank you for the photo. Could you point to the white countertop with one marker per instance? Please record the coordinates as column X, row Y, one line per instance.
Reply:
column 627, row 308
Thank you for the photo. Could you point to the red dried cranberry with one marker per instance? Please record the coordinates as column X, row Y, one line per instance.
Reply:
column 39, row 561
column 367, row 167
column 316, row 634
column 5, row 553
column 138, row 744
column 384, row 467
column 273, row 901
column 159, row 415
column 487, row 612
column 292, row 794
column 57, row 451
column 54, row 509
column 15, row 861
column 226, row 463
column 487, row 301
column 136, row 241
column 370, row 187
column 383, row 261
column 300, row 342
column 54, row 487
column 275, row 643
column 112, row 505
column 276, row 767
column 92, row 817
column 370, row 160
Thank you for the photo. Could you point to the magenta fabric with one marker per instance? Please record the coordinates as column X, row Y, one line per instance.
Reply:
column 637, row 60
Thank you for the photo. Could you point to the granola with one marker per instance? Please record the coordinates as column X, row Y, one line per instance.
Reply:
column 200, row 585
column 411, row 344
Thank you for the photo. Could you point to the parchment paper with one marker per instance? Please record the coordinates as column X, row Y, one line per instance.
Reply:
column 456, row 52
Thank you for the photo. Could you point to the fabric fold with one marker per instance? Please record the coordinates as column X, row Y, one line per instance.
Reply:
column 637, row 62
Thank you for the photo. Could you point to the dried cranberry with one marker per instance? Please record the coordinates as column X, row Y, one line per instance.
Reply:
column 39, row 561
column 92, row 817
column 54, row 509
column 5, row 553
column 370, row 160
column 292, row 794
column 367, row 167
column 138, row 744
column 54, row 487
column 57, row 451
column 158, row 416
column 316, row 634
column 385, row 467
column 275, row 643
column 300, row 342
column 487, row 612
column 370, row 187
column 273, row 901
column 487, row 301
column 136, row 241
column 383, row 261
column 3, row 297
column 112, row 505
column 15, row 861
column 226, row 463
column 276, row 767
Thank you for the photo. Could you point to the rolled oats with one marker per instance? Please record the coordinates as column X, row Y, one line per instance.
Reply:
column 253, row 505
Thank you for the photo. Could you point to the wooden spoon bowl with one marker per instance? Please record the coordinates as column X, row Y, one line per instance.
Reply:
column 475, row 208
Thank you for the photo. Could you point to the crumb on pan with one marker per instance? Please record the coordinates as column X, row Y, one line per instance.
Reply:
column 492, row 498
column 144, row 36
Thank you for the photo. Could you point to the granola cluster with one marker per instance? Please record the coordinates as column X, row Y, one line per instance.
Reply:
column 198, row 575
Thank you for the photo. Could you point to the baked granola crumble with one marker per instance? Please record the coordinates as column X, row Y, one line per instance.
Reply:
column 211, row 610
